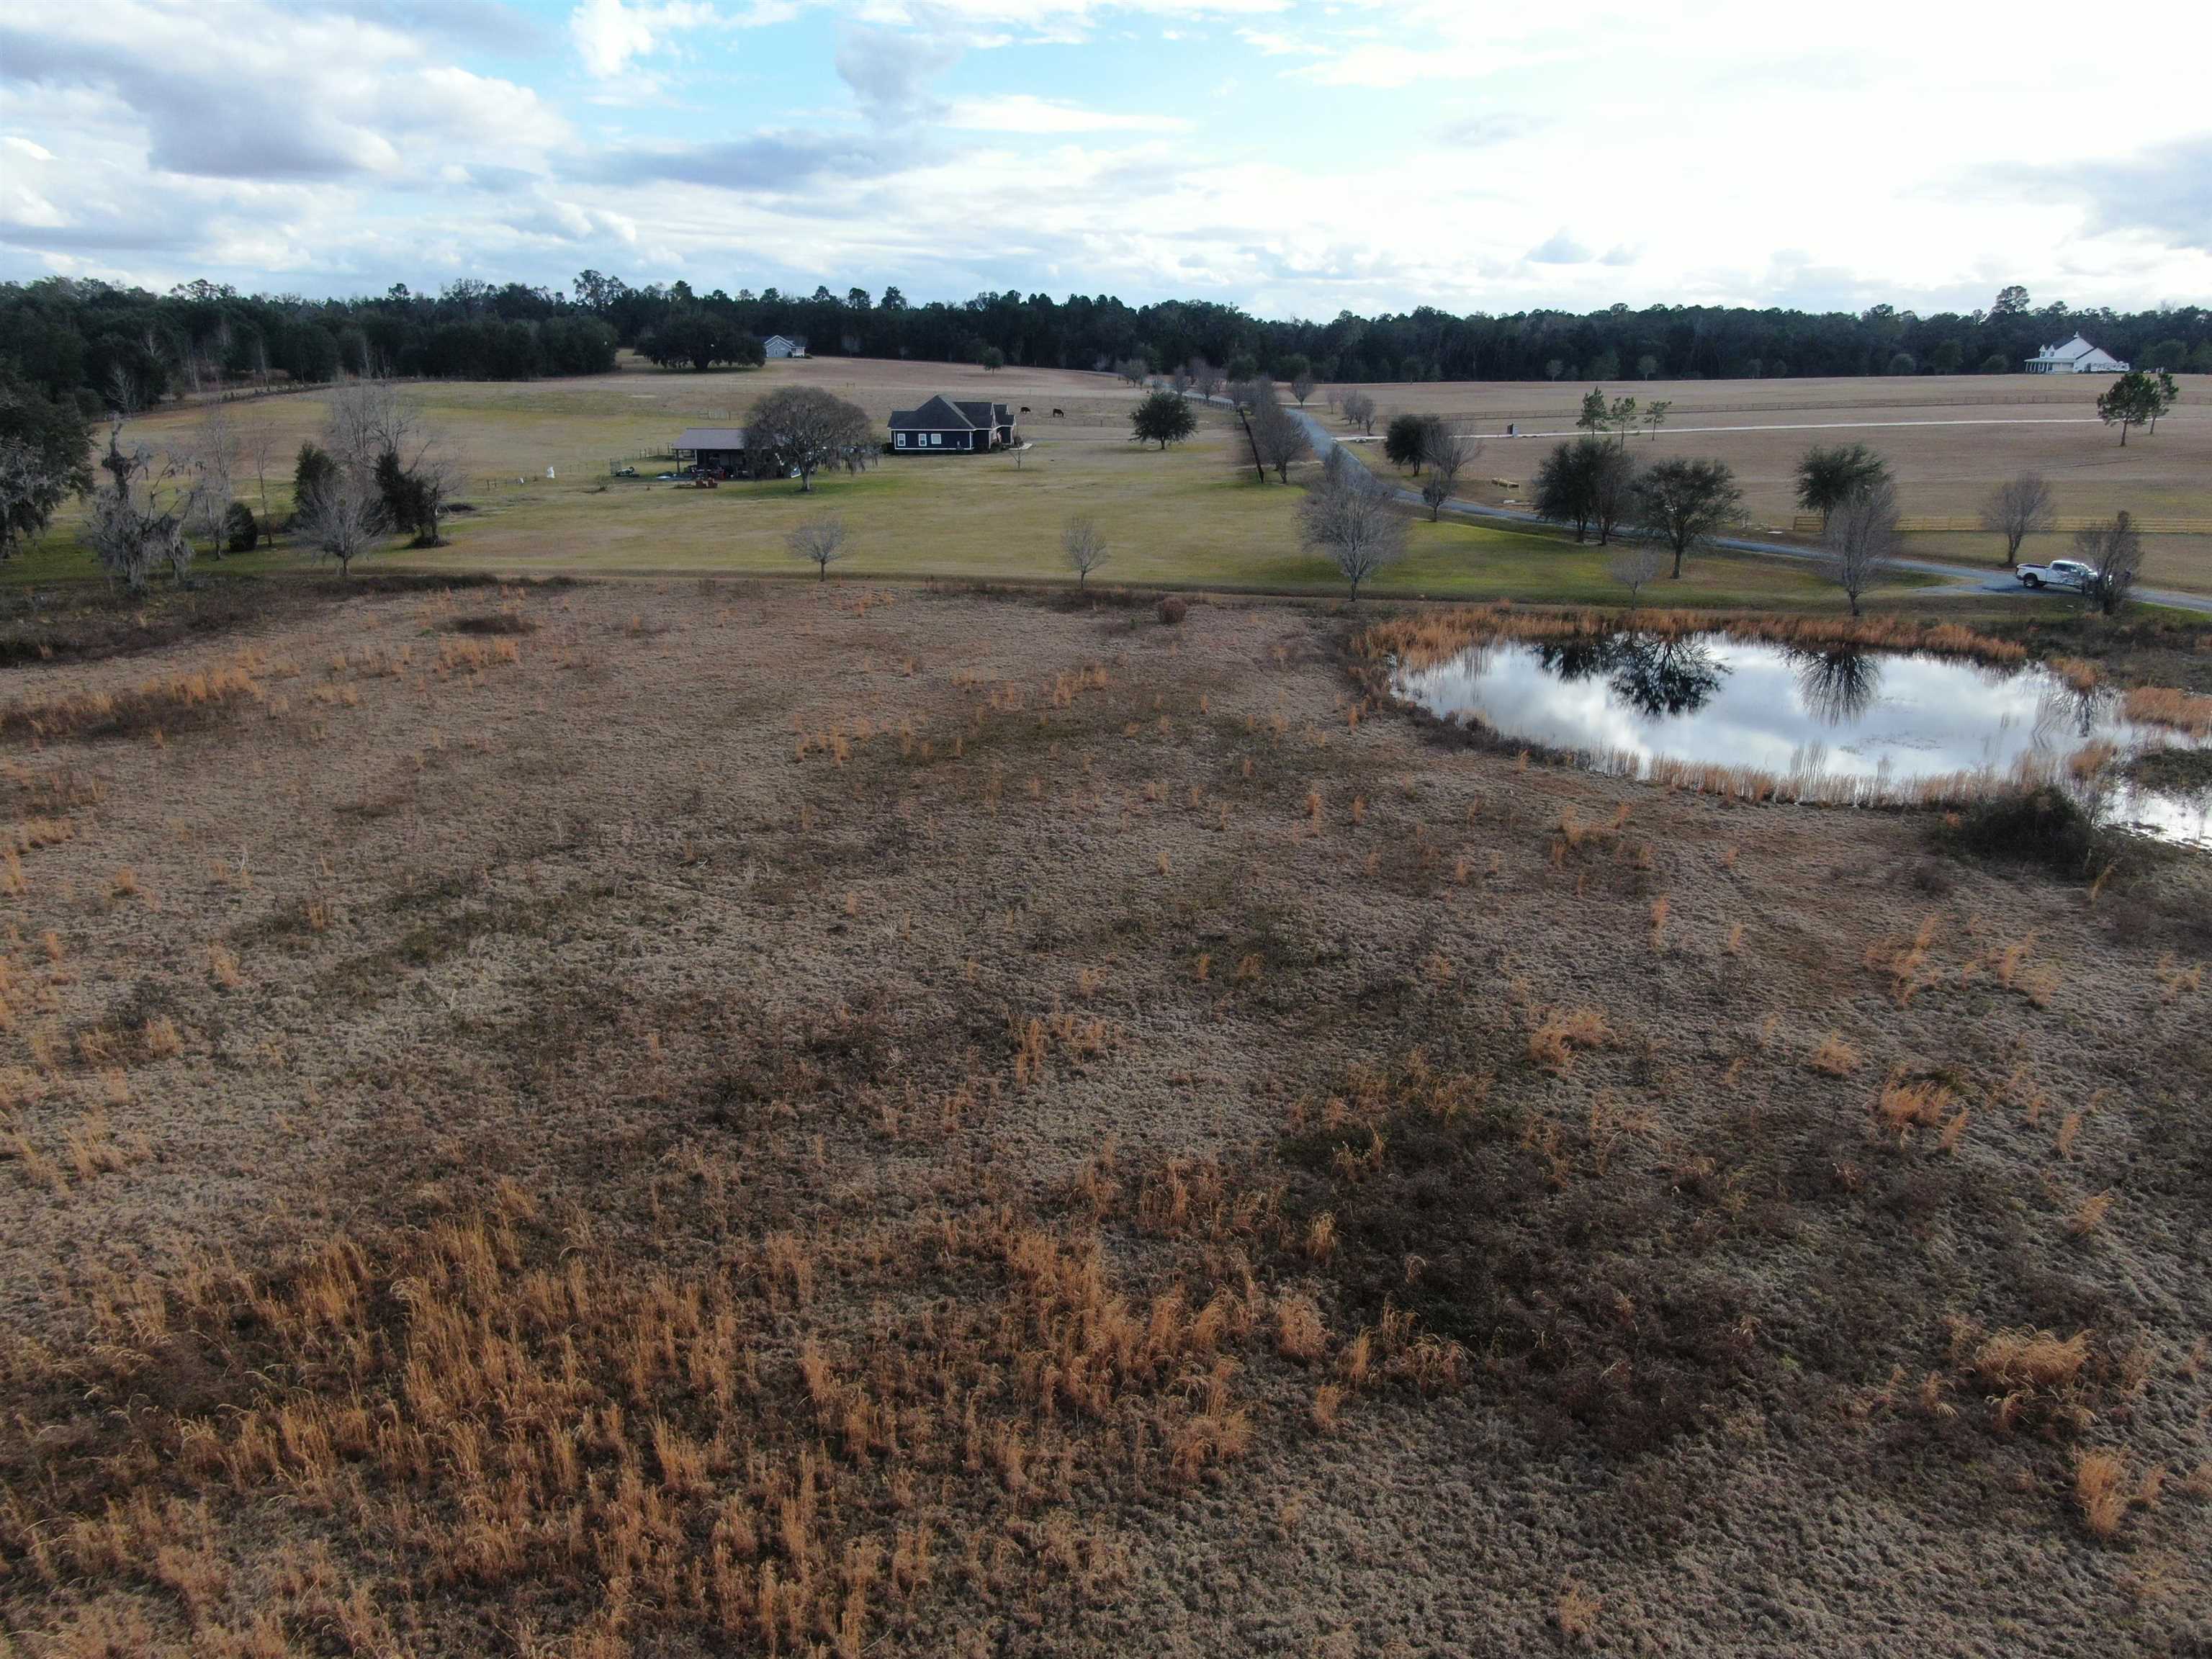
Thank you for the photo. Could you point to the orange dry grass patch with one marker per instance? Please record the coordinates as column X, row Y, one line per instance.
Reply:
column 2026, row 1359
column 1551, row 1045
column 2030, row 1377
column 154, row 706
column 2099, row 1487
column 1834, row 1056
column 1299, row 1333
column 485, row 1401
column 2162, row 705
column 1906, row 961
column 1904, row 1103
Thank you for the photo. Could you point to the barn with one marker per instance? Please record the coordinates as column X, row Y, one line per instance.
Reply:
column 945, row 424
column 714, row 448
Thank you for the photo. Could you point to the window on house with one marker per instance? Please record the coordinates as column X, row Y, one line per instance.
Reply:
column 937, row 437
column 900, row 441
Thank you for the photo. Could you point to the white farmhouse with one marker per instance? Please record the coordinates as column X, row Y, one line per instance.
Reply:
column 2076, row 356
column 782, row 345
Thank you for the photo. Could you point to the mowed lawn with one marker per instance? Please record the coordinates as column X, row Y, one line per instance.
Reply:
column 1190, row 516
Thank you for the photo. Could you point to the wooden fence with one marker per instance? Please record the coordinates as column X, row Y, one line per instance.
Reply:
column 1809, row 523
column 1689, row 404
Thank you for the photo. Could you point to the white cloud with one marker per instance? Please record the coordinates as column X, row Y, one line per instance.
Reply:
column 348, row 142
column 1025, row 113
column 608, row 33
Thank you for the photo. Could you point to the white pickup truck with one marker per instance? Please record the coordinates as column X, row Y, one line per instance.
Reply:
column 2059, row 572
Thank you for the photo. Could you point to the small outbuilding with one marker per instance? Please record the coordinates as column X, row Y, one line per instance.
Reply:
column 960, row 425
column 2076, row 356
column 714, row 448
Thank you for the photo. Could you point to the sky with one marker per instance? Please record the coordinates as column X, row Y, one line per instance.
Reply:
column 1295, row 157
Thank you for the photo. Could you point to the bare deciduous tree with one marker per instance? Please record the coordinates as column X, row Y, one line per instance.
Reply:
column 141, row 518
column 214, row 456
column 2115, row 550
column 1635, row 563
column 1085, row 545
column 340, row 520
column 1349, row 518
column 1134, row 370
column 1279, row 437
column 123, row 395
column 1861, row 538
column 262, row 447
column 376, row 436
column 366, row 418
column 1205, row 380
column 1358, row 411
column 1301, row 387
column 2018, row 508
column 820, row 541
column 1450, row 453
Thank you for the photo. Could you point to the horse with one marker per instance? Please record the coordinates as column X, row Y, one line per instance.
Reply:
column 1025, row 409
column 1059, row 414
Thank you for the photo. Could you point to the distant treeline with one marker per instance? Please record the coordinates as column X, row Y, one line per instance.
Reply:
column 101, row 345
column 96, row 343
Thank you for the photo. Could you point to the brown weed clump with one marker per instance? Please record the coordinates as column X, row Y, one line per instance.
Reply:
column 154, row 706
column 1551, row 1045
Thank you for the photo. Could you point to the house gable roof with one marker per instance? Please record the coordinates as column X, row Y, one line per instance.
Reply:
column 711, row 437
column 982, row 413
column 2067, row 350
column 940, row 414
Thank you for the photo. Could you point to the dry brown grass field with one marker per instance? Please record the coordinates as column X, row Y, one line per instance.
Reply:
column 1942, row 470
column 688, row 1118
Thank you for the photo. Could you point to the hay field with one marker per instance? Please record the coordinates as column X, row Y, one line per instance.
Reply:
column 1941, row 470
column 689, row 1119
column 1191, row 516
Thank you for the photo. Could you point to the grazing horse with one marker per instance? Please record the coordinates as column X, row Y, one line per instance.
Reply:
column 1059, row 414
column 1025, row 409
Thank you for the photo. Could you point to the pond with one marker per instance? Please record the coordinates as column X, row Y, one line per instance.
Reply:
column 1849, row 726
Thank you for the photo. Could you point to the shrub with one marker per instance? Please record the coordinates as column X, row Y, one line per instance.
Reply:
column 240, row 530
column 1173, row 610
column 2041, row 825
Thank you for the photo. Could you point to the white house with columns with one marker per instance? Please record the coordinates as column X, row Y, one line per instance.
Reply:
column 2076, row 356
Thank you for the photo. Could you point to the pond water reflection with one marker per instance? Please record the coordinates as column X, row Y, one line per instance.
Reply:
column 1831, row 725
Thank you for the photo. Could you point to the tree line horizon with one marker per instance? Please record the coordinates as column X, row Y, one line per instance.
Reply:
column 99, row 344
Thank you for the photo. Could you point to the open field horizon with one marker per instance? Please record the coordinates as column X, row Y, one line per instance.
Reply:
column 1193, row 516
